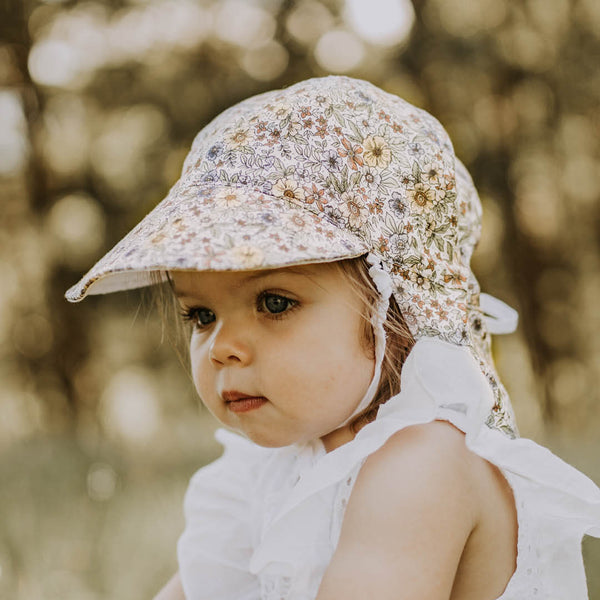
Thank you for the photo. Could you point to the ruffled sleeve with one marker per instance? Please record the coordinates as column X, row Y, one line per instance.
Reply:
column 556, row 504
column 216, row 546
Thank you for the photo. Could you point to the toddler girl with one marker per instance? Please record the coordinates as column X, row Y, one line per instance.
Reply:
column 318, row 241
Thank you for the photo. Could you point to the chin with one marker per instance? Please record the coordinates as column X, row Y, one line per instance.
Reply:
column 270, row 439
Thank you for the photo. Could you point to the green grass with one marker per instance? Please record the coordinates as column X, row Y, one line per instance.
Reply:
column 68, row 533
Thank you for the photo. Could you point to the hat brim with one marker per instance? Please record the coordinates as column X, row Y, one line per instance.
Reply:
column 212, row 228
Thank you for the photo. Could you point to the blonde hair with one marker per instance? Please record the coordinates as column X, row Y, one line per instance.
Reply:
column 399, row 340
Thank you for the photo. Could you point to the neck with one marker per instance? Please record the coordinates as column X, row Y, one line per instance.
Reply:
column 338, row 437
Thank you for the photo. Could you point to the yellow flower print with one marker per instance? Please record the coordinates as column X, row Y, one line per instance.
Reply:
column 294, row 128
column 280, row 110
column 420, row 279
column 422, row 197
column 354, row 209
column 377, row 152
column 237, row 137
column 248, row 257
column 440, row 193
column 430, row 174
column 228, row 197
column 288, row 188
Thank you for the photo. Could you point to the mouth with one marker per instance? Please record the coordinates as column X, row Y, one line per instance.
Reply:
column 239, row 402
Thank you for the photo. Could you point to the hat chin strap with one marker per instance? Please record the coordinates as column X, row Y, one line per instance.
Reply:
column 499, row 318
column 383, row 283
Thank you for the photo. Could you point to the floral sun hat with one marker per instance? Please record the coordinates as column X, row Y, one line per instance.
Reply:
column 327, row 169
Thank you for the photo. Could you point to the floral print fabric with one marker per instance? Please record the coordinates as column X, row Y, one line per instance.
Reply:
column 327, row 169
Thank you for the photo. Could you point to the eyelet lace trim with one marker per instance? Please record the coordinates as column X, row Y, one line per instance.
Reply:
column 527, row 580
column 340, row 503
column 275, row 586
column 279, row 582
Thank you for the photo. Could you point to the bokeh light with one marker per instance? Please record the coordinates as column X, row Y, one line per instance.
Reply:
column 308, row 21
column 86, row 38
column 72, row 46
column 381, row 22
column 243, row 23
column 101, row 481
column 76, row 225
column 462, row 18
column 266, row 62
column 14, row 144
column 124, row 141
column 339, row 51
column 130, row 408
column 66, row 136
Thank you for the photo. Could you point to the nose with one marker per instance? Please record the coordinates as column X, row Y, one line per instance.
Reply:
column 228, row 346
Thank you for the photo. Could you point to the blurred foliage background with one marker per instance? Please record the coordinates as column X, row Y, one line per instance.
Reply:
column 99, row 102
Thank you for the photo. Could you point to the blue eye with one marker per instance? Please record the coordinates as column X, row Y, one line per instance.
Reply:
column 199, row 317
column 205, row 316
column 275, row 304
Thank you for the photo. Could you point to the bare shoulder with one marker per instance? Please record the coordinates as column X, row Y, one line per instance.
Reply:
column 410, row 514
column 422, row 440
column 429, row 457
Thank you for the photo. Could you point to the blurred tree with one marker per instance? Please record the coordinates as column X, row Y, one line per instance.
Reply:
column 113, row 92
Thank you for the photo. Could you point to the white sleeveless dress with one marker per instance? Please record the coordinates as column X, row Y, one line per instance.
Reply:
column 263, row 523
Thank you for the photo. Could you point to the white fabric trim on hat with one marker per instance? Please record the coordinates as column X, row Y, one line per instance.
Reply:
column 499, row 317
column 384, row 285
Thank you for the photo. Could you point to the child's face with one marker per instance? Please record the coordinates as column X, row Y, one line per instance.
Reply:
column 277, row 354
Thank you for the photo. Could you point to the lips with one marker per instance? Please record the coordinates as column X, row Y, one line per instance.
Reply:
column 239, row 402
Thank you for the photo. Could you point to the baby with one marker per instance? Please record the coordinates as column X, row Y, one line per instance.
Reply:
column 318, row 242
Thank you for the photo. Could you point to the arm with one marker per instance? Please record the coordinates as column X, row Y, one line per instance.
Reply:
column 172, row 590
column 409, row 516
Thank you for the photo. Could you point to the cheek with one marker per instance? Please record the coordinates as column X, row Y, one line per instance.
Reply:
column 342, row 335
column 199, row 366
column 330, row 351
column 353, row 363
